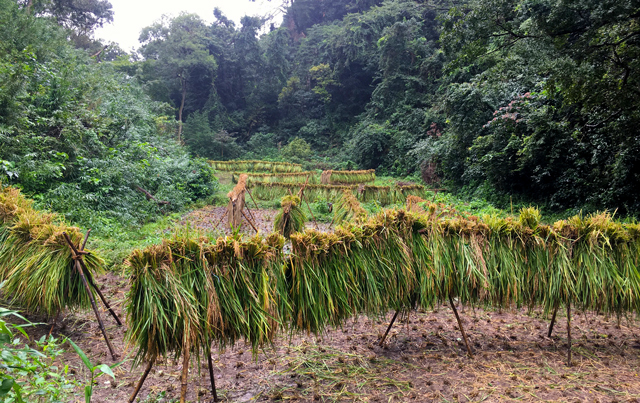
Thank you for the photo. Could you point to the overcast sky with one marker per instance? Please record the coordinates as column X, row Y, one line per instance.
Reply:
column 130, row 16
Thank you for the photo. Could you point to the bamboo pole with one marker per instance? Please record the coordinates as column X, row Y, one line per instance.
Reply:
column 553, row 320
column 104, row 301
column 395, row 315
column 213, row 381
column 311, row 212
column 92, row 284
column 569, row 332
column 252, row 199
column 250, row 213
column 184, row 379
column 221, row 218
column 141, row 381
column 77, row 257
column 249, row 221
column 464, row 334
column 86, row 237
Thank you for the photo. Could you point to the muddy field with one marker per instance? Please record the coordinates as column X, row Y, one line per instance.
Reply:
column 422, row 360
column 212, row 219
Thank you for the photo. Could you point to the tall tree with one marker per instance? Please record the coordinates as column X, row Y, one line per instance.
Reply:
column 178, row 51
column 80, row 17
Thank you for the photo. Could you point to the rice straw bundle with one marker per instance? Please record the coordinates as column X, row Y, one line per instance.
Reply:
column 12, row 203
column 401, row 191
column 357, row 269
column 188, row 292
column 348, row 177
column 412, row 204
column 255, row 166
column 291, row 218
column 276, row 190
column 348, row 209
column 163, row 313
column 35, row 260
column 379, row 194
column 236, row 203
column 249, row 287
column 293, row 177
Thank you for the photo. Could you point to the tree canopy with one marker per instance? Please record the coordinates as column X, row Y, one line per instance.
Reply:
column 533, row 99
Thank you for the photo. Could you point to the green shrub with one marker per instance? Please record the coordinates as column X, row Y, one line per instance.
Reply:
column 29, row 374
column 297, row 149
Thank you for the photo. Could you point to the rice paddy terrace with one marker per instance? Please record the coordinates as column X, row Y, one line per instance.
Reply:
column 474, row 301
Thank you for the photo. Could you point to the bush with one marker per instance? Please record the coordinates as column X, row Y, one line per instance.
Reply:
column 297, row 150
column 29, row 374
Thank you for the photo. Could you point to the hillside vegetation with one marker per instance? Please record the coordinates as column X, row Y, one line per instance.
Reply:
column 501, row 100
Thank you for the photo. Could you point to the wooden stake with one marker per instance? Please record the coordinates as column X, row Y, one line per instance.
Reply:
column 213, row 381
column 250, row 213
column 254, row 202
column 92, row 284
column 221, row 218
column 553, row 320
column 86, row 237
column 106, row 304
column 55, row 320
column 141, row 381
column 311, row 212
column 77, row 257
column 395, row 315
column 185, row 376
column 569, row 332
column 464, row 335
column 249, row 221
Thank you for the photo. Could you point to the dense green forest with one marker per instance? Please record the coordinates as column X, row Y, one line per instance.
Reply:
column 532, row 100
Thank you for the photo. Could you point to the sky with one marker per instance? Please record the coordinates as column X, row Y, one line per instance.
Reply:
column 130, row 16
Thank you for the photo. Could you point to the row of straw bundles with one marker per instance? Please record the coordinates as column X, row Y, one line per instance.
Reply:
column 363, row 268
column 273, row 191
column 383, row 195
column 401, row 260
column 590, row 261
column 189, row 291
column 36, row 263
column 348, row 177
column 293, row 177
column 255, row 166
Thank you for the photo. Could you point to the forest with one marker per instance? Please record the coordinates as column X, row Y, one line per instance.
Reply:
column 392, row 153
column 491, row 99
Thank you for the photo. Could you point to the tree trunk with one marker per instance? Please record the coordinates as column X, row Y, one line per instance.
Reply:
column 184, row 95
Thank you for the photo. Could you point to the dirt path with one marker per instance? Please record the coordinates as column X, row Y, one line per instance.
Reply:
column 423, row 360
